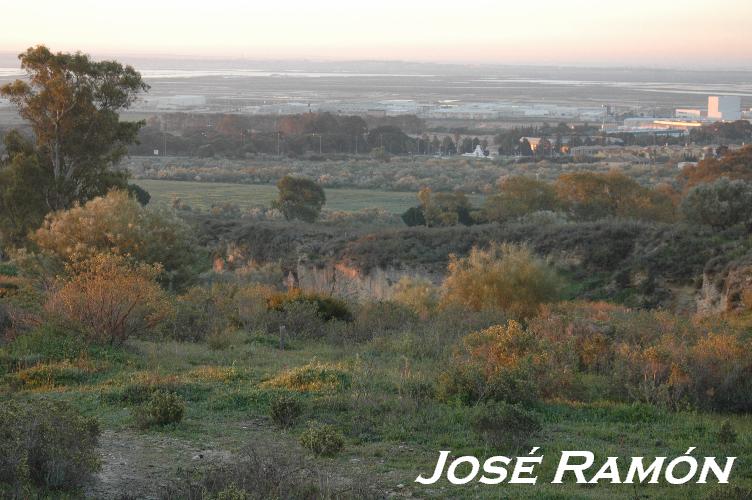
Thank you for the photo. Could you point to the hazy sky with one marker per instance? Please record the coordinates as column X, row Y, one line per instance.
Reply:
column 614, row 32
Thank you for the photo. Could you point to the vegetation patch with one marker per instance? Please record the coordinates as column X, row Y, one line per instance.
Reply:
column 313, row 377
column 45, row 444
column 162, row 408
column 285, row 409
column 322, row 439
column 55, row 374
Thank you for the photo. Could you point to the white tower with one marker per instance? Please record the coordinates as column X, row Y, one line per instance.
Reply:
column 725, row 107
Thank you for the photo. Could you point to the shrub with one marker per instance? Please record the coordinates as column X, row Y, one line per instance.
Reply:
column 111, row 297
column 419, row 390
column 651, row 357
column 327, row 307
column 162, row 408
column 382, row 318
column 201, row 312
column 48, row 342
column 502, row 363
column 220, row 340
column 505, row 426
column 251, row 306
column 285, row 410
column 119, row 224
column 297, row 319
column 505, row 277
column 46, row 444
column 420, row 295
column 322, row 439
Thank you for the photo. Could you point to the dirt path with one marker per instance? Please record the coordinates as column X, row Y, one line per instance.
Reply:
column 140, row 466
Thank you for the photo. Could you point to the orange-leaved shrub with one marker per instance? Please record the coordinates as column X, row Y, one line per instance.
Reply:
column 118, row 224
column 597, row 351
column 110, row 297
column 502, row 363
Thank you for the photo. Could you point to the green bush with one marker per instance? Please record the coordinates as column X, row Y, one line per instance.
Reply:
column 505, row 426
column 201, row 312
column 285, row 410
column 47, row 342
column 322, row 439
column 162, row 408
column 46, row 444
column 328, row 307
column 300, row 319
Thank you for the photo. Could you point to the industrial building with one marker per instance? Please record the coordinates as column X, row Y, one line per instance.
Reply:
column 725, row 108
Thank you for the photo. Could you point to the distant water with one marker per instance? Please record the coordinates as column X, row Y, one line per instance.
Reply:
column 5, row 72
column 673, row 82
column 190, row 73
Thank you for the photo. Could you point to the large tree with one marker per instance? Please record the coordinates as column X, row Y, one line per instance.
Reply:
column 72, row 104
column 299, row 199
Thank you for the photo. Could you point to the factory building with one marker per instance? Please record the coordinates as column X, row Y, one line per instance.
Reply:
column 726, row 108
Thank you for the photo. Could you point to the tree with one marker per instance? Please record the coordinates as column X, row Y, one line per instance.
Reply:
column 413, row 216
column 721, row 204
column 519, row 196
column 72, row 104
column 22, row 205
column 592, row 196
column 443, row 209
column 391, row 138
column 299, row 199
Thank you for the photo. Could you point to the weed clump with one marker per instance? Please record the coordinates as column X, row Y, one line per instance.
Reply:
column 285, row 410
column 162, row 408
column 322, row 439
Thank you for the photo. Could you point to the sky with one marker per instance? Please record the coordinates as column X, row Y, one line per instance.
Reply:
column 658, row 33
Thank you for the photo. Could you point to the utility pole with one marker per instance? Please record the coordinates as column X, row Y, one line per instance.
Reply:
column 277, row 143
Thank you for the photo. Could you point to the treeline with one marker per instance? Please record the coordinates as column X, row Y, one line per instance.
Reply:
column 717, row 192
column 237, row 136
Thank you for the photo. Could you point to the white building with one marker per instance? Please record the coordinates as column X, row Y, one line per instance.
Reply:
column 725, row 107
column 478, row 153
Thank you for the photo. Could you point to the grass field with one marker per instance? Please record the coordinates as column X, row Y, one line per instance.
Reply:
column 203, row 194
column 391, row 436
